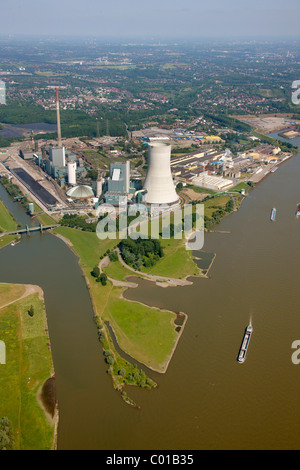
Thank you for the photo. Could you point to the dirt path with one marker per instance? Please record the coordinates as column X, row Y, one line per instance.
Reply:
column 103, row 264
column 160, row 280
column 29, row 289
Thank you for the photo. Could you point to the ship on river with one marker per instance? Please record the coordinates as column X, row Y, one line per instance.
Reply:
column 245, row 343
column 273, row 214
column 298, row 210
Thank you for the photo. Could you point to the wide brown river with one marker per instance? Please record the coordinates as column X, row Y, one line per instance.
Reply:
column 206, row 400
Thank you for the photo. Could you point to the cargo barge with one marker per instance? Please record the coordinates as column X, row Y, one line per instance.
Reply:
column 245, row 343
column 273, row 214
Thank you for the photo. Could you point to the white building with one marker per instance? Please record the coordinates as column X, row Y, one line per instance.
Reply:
column 212, row 182
column 72, row 173
column 159, row 182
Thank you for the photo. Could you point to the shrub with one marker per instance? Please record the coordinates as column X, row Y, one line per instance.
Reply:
column 102, row 278
column 110, row 360
column 95, row 272
column 6, row 435
column 31, row 311
column 113, row 256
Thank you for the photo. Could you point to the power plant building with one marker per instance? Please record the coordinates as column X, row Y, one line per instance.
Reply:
column 72, row 173
column 58, row 156
column 159, row 186
column 118, row 184
column 80, row 192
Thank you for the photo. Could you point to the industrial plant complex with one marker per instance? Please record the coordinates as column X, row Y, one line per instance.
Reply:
column 57, row 177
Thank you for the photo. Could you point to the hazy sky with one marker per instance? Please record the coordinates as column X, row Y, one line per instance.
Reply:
column 156, row 18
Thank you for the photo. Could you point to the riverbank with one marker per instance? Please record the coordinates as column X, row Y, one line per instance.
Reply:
column 146, row 334
column 7, row 224
column 24, row 330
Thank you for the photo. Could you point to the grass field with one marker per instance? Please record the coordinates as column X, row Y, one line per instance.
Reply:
column 10, row 293
column 145, row 333
column 28, row 365
column 211, row 205
column 6, row 240
column 115, row 270
column 240, row 186
column 7, row 224
column 44, row 218
column 177, row 261
column 7, row 221
column 86, row 245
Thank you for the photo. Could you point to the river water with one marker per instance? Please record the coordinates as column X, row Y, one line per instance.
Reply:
column 206, row 400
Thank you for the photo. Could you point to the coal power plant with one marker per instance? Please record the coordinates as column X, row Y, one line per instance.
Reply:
column 159, row 186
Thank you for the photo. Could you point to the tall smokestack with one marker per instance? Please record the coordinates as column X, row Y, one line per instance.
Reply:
column 58, row 119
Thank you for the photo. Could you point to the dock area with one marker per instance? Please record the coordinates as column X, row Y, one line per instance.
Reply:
column 265, row 170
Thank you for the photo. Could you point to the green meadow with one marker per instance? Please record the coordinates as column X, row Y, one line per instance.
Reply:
column 28, row 366
column 137, row 327
column 7, row 224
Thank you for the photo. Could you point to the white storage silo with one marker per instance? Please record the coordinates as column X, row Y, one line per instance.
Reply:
column 159, row 182
column 72, row 173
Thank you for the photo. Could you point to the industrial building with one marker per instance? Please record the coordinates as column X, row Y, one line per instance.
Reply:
column 212, row 182
column 2, row 92
column 58, row 156
column 72, row 173
column 118, row 183
column 159, row 186
column 63, row 166
column 80, row 192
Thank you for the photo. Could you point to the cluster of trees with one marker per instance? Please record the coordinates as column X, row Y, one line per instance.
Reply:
column 14, row 191
column 74, row 122
column 141, row 252
column 130, row 374
column 6, row 434
column 93, row 174
column 137, row 377
column 78, row 221
column 230, row 122
column 218, row 214
column 109, row 358
column 100, row 277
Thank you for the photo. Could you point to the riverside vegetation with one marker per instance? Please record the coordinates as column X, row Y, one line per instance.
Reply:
column 7, row 224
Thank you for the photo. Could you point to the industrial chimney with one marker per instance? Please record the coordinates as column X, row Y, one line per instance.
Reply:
column 159, row 182
column 58, row 120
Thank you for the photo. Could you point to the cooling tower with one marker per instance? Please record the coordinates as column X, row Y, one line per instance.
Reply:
column 72, row 173
column 159, row 182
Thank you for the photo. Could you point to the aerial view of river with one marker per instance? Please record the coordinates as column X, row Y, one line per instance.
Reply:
column 206, row 399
